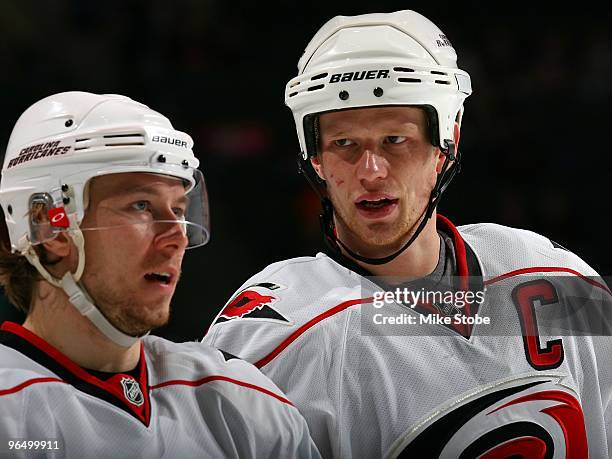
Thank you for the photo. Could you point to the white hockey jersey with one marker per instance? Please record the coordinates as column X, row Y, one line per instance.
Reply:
column 525, row 385
column 184, row 400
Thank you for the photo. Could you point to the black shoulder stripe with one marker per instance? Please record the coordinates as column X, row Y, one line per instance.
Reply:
column 474, row 271
column 556, row 245
column 268, row 285
column 227, row 356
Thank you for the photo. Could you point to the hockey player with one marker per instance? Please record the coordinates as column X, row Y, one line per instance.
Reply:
column 376, row 366
column 101, row 197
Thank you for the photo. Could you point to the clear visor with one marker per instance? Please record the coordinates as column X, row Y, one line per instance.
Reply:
column 147, row 202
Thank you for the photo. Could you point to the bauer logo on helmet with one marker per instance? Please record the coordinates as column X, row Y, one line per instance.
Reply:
column 359, row 75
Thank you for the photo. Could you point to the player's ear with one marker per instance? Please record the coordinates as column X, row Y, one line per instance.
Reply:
column 441, row 158
column 457, row 132
column 315, row 161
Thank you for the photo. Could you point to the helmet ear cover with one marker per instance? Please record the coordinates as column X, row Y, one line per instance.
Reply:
column 312, row 134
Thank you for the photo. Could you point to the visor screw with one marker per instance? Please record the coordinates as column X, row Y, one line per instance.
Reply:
column 343, row 95
column 64, row 188
column 161, row 158
column 378, row 92
column 10, row 209
column 185, row 163
column 68, row 123
column 66, row 200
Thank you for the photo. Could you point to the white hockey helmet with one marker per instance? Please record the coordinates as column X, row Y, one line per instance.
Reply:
column 380, row 59
column 64, row 140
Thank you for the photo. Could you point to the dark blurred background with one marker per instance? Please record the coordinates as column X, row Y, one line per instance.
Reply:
column 534, row 137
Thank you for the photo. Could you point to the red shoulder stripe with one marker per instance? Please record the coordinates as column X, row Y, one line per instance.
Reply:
column 548, row 269
column 315, row 320
column 199, row 382
column 29, row 382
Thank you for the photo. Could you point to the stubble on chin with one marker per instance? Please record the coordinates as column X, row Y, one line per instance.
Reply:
column 131, row 315
column 137, row 322
column 377, row 237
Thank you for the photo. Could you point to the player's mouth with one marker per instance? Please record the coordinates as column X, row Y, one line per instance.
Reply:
column 375, row 205
column 164, row 278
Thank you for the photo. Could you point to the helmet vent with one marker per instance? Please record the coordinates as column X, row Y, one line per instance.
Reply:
column 442, row 81
column 79, row 144
column 403, row 69
column 318, row 77
column 314, row 88
column 111, row 140
column 437, row 72
column 124, row 139
column 409, row 80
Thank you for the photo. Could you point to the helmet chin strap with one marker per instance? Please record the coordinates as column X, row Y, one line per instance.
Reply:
column 77, row 295
column 326, row 218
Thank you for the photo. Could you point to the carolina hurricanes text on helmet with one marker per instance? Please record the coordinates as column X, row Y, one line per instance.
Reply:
column 169, row 140
column 37, row 151
column 363, row 75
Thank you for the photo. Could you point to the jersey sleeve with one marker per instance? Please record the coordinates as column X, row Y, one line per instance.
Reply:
column 251, row 403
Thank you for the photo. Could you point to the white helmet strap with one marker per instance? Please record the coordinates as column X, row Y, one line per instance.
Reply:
column 81, row 300
column 77, row 295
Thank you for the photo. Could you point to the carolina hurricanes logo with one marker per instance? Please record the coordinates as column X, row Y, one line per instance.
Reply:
column 537, row 419
column 131, row 391
column 250, row 304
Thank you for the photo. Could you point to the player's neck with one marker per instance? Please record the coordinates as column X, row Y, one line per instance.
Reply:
column 58, row 322
column 417, row 261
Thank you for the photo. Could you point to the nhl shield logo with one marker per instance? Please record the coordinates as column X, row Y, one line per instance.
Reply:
column 132, row 392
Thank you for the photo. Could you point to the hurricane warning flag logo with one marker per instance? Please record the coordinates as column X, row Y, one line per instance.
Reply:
column 251, row 304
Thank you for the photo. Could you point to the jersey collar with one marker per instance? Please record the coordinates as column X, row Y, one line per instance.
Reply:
column 467, row 269
column 465, row 259
column 127, row 391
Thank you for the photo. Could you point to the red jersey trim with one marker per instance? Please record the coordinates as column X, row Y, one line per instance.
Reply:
column 462, row 267
column 199, row 382
column 80, row 373
column 548, row 269
column 28, row 383
column 315, row 320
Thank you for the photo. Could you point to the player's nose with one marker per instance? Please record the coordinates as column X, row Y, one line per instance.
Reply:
column 170, row 232
column 372, row 164
column 171, row 237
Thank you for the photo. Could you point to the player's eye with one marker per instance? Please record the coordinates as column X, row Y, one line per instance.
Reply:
column 179, row 212
column 140, row 206
column 343, row 142
column 395, row 139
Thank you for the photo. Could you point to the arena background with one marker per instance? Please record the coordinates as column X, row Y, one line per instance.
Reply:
column 534, row 139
